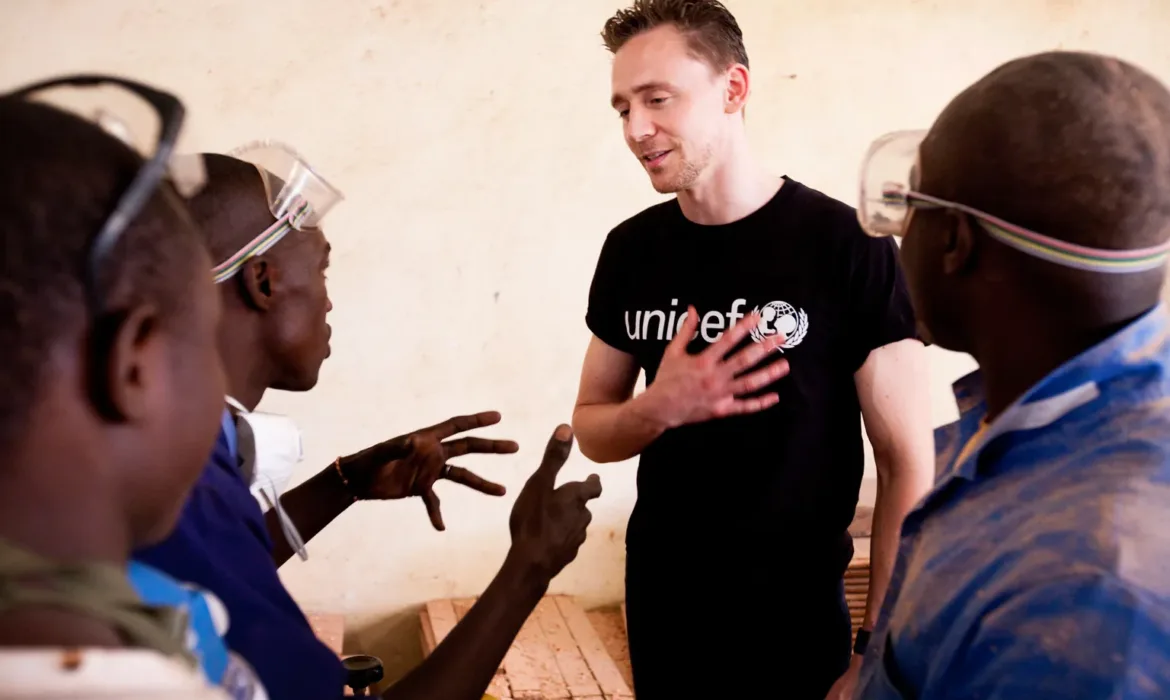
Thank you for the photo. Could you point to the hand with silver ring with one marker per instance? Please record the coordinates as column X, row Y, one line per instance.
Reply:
column 409, row 465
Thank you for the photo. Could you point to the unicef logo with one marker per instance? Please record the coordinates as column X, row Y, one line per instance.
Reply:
column 780, row 317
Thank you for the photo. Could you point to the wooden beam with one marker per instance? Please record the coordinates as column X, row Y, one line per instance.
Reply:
column 578, row 678
column 329, row 628
column 604, row 670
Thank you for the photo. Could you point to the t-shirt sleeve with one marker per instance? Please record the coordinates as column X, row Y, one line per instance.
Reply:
column 880, row 307
column 606, row 292
column 1084, row 637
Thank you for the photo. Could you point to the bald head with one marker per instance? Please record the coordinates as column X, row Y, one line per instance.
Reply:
column 1072, row 145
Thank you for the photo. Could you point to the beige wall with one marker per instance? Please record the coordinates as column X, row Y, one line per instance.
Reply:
column 483, row 168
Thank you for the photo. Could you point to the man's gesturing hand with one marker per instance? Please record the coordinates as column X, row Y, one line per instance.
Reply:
column 695, row 388
column 409, row 465
column 548, row 522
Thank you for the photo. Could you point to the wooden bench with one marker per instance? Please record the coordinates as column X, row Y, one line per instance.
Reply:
column 329, row 628
column 857, row 583
column 558, row 654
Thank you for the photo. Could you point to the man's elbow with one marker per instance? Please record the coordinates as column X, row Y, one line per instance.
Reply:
column 903, row 474
column 885, row 462
column 588, row 442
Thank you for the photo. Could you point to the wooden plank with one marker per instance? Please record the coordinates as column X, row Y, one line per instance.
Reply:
column 443, row 619
column 862, row 525
column 531, row 666
column 462, row 605
column 426, row 633
column 578, row 679
column 612, row 631
column 558, row 654
column 498, row 688
column 329, row 628
column 603, row 668
column 521, row 670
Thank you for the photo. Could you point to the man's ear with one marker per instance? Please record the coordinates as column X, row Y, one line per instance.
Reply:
column 258, row 283
column 738, row 89
column 962, row 245
column 127, row 361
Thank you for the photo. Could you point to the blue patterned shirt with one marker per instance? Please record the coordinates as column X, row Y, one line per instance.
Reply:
column 1039, row 565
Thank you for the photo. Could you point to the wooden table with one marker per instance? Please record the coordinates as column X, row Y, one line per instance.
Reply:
column 558, row 654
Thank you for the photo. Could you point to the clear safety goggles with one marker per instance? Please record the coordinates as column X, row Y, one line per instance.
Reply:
column 298, row 198
column 147, row 120
column 888, row 196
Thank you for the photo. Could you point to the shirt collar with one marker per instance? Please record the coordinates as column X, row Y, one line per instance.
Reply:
column 1072, row 385
column 228, row 424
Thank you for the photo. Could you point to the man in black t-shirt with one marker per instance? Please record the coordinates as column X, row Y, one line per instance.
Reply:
column 766, row 322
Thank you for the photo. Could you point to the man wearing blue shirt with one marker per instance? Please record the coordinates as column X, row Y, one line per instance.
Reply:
column 262, row 217
column 1035, row 216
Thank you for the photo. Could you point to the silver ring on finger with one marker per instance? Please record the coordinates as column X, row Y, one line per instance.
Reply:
column 446, row 471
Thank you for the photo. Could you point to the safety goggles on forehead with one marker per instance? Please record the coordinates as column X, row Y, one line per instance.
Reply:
column 888, row 194
column 146, row 119
column 297, row 195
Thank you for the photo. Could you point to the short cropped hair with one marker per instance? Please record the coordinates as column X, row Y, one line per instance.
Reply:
column 60, row 177
column 232, row 209
column 711, row 30
column 1074, row 145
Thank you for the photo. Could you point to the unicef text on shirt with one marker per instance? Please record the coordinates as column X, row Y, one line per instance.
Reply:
column 775, row 317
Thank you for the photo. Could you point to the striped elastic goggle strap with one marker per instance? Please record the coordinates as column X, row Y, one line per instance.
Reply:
column 1045, row 247
column 259, row 245
column 1077, row 256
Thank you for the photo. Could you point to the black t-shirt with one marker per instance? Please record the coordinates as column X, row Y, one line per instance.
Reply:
column 793, row 471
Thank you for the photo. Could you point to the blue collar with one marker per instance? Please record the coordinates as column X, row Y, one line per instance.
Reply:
column 228, row 423
column 1072, row 385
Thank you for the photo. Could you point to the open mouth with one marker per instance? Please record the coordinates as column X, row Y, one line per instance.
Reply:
column 654, row 159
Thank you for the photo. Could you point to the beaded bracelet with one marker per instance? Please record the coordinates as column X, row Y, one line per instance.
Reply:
column 345, row 481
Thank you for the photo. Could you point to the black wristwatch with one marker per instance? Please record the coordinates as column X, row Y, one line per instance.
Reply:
column 861, row 642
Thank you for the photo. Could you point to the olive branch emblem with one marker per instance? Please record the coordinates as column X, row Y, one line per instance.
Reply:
column 793, row 339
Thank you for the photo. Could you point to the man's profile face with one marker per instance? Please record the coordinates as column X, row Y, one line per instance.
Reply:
column 300, row 325
column 671, row 104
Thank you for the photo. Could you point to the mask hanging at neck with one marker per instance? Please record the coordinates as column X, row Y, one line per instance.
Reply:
column 270, row 448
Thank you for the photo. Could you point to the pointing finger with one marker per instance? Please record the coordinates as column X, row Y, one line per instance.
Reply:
column 559, row 447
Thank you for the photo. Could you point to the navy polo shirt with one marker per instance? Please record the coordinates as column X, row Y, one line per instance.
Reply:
column 222, row 544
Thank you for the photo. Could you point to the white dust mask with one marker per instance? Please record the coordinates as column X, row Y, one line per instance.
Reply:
column 270, row 447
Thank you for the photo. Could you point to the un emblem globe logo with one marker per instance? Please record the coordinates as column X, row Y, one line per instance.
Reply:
column 781, row 318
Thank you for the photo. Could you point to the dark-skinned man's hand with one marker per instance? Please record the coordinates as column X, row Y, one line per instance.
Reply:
column 409, row 465
column 548, row 522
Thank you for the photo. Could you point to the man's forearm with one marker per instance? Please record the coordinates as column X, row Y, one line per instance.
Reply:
column 462, row 666
column 613, row 432
column 311, row 506
column 896, row 495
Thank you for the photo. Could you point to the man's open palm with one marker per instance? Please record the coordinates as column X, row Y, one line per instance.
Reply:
column 711, row 384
